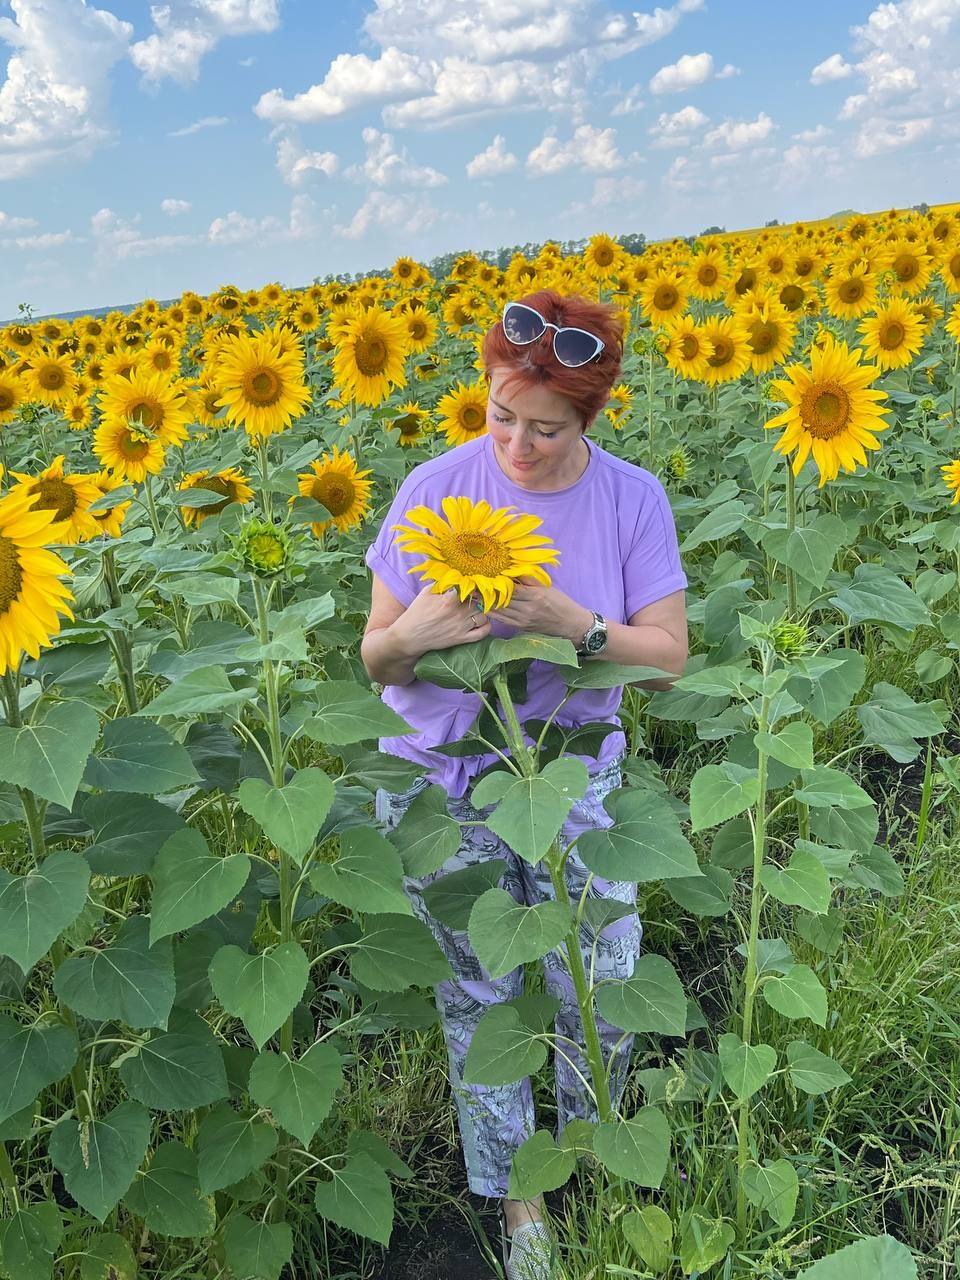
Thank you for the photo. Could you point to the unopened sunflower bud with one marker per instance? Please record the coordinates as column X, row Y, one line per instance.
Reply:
column 677, row 463
column 640, row 346
column 789, row 639
column 927, row 405
column 264, row 547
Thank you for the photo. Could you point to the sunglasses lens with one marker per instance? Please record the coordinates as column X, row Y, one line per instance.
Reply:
column 574, row 347
column 522, row 324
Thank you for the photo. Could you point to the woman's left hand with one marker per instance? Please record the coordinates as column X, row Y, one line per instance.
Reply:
column 547, row 610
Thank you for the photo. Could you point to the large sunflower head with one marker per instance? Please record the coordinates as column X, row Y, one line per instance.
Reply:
column 663, row 297
column 127, row 452
column 476, row 549
column 707, row 275
column 909, row 264
column 731, row 349
column 832, row 410
column 68, row 497
column 894, row 335
column 413, row 424
column 51, row 378
column 463, row 412
column 602, row 257
column 78, row 412
column 32, row 597
column 369, row 359
column 687, row 348
column 11, row 395
column 770, row 333
column 262, row 387
column 421, row 329
column 850, row 293
column 335, row 482
column 230, row 482
column 148, row 402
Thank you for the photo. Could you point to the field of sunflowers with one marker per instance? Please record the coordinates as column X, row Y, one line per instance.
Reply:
column 219, row 1055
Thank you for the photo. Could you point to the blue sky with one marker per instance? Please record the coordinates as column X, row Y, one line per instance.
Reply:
column 147, row 149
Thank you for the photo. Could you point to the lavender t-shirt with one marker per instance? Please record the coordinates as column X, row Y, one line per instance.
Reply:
column 618, row 552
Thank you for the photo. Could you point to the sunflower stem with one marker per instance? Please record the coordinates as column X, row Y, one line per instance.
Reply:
column 791, row 525
column 151, row 504
column 32, row 810
column 120, row 641
column 266, row 497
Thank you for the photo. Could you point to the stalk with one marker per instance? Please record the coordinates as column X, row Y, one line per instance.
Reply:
column 151, row 505
column 750, row 976
column 791, row 525
column 924, row 814
column 120, row 641
column 8, row 1179
column 266, row 496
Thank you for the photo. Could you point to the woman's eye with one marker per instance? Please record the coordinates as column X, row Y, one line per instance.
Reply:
column 495, row 418
column 547, row 435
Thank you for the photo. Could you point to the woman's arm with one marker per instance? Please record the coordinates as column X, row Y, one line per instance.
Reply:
column 397, row 636
column 654, row 636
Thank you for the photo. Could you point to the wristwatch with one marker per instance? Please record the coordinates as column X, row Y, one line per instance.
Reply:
column 595, row 639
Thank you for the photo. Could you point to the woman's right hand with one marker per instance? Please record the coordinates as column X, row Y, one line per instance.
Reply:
column 441, row 621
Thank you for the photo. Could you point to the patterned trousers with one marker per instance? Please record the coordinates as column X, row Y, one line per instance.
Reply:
column 496, row 1119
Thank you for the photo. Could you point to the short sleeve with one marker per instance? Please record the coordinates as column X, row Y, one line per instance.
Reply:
column 382, row 556
column 652, row 568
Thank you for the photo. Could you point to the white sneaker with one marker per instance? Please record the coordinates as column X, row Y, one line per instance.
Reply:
column 528, row 1253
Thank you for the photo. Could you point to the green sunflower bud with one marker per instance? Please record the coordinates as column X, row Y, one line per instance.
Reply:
column 264, row 548
column 789, row 639
column 927, row 405
column 677, row 463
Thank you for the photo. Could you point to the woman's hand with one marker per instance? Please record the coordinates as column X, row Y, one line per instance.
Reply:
column 439, row 622
column 548, row 610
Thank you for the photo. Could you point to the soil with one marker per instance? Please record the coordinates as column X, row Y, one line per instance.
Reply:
column 443, row 1248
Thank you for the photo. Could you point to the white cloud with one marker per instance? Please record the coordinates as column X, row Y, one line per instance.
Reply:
column 119, row 238
column 236, row 228
column 406, row 214
column 813, row 135
column 187, row 30
column 10, row 223
column 496, row 159
column 487, row 212
column 385, row 166
column 734, row 134
column 174, row 207
column 296, row 164
column 832, row 68
column 53, row 100
column 675, row 129
column 205, row 122
column 804, row 164
column 690, row 69
column 629, row 103
column 353, row 80
column 876, row 136
column 45, row 240
column 620, row 192
column 682, row 175
column 589, row 148
column 246, row 62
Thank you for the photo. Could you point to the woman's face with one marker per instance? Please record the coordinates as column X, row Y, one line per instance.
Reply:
column 537, row 435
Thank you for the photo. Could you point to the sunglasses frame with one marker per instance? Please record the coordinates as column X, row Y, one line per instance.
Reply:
column 557, row 329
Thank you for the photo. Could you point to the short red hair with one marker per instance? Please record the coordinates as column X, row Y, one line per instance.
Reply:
column 587, row 387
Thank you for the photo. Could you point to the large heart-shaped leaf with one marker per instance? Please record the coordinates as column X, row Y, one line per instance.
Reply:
column 140, row 756
column 773, row 1188
column 191, row 883
column 644, row 843
column 32, row 1057
column 798, row 993
column 204, row 690
column 812, row 1071
column 167, row 1194
column 746, row 1068
column 299, row 1091
column 502, row 1049
column 231, row 1144
column 637, row 1149
column 426, row 836
column 539, row 1165
column 99, row 1158
column 262, row 989
column 179, row 1070
column 358, row 1197
column 345, row 712
column 49, row 758
column 290, row 815
column 531, row 811
column 652, row 1000
column 395, row 952
column 256, row 1250
column 721, row 791
column 129, row 981
column 803, row 882
column 504, row 933
column 367, row 876
column 36, row 908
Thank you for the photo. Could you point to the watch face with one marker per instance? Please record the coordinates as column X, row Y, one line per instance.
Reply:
column 596, row 642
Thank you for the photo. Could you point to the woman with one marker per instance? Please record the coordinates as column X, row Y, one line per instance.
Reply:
column 617, row 594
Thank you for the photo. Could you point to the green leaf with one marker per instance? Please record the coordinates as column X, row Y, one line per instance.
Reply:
column 140, row 756
column 543, row 648
column 717, row 682
column 773, row 955
column 811, row 1070
column 395, row 952
column 367, row 876
column 29, row 1241
column 127, row 832
column 877, row 595
column 531, row 811
column 717, row 524
column 371, row 1144
column 291, row 815
column 877, row 869
column 802, row 883
column 231, row 1144
column 256, row 1250
column 426, row 836
column 36, row 908
column 650, row 1232
column 645, row 842
column 877, row 1258
column 798, row 993
column 809, row 550
column 505, row 933
column 263, row 989
column 539, row 1165
column 611, row 675
column 128, row 981
column 98, row 1158
column 746, row 1068
column 176, row 1070
column 891, row 719
column 462, row 666
column 204, row 690
column 708, row 894
column 345, row 712
column 359, row 1198
column 450, row 899
column 502, row 1049
column 637, row 1149
column 107, row 1256
column 652, row 1000
column 792, row 745
column 721, row 791
column 773, row 1189
column 191, row 883
column 824, row 933
column 703, row 1241
column 31, row 1058
column 167, row 1196
column 832, row 689
column 299, row 1091
column 49, row 758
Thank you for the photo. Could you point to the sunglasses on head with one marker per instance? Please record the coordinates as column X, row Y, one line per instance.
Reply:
column 572, row 347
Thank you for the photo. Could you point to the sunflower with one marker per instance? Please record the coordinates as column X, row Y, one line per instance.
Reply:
column 731, row 349
column 51, row 379
column 950, row 269
column 413, row 424
column 369, row 359
column 793, row 295
column 476, row 549
column 18, row 337
column 305, row 316
column 67, row 496
column 206, row 400
column 852, row 293
column 602, row 257
column 159, row 357
column 110, row 519
column 622, row 398
column 894, row 335
column 663, row 297
column 405, row 270
column 421, row 329
column 129, row 453
column 463, row 412
column 707, row 275
column 832, row 410
column 335, row 482
column 952, row 325
column 32, row 597
column 150, row 402
column 78, row 413
column 230, row 482
column 262, row 387
column 770, row 333
column 11, row 395
column 911, row 265
column 951, row 478
column 686, row 349
column 120, row 364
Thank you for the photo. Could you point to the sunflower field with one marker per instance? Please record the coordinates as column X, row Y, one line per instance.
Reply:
column 219, row 1055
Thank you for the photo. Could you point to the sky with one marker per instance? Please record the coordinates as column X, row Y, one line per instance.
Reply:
column 148, row 149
